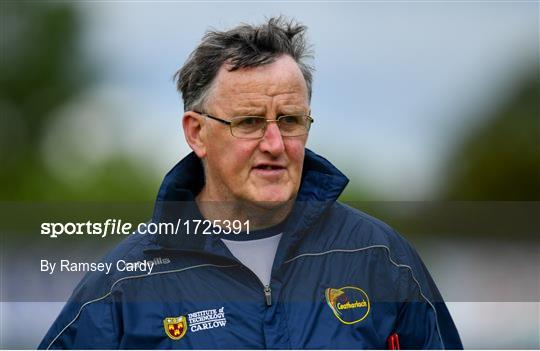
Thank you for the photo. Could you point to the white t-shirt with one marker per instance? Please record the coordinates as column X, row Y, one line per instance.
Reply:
column 258, row 254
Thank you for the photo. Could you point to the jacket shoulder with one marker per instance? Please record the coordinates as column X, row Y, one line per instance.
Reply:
column 353, row 227
column 96, row 284
column 90, row 302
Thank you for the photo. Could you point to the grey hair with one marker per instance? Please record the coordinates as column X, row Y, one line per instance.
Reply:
column 241, row 47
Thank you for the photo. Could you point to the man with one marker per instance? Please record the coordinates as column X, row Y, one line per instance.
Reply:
column 306, row 271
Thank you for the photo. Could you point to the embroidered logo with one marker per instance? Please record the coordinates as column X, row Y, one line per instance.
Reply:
column 175, row 327
column 349, row 304
column 207, row 319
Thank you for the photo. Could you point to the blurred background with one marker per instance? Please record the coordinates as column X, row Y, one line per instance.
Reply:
column 432, row 109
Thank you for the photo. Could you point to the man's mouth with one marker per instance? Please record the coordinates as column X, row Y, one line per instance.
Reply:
column 269, row 167
column 270, row 172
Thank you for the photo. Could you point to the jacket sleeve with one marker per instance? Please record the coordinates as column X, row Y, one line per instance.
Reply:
column 92, row 317
column 87, row 321
column 423, row 321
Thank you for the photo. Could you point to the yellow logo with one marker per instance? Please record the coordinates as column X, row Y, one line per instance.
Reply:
column 349, row 304
column 175, row 327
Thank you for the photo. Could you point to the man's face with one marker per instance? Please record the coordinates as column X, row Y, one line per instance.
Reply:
column 262, row 170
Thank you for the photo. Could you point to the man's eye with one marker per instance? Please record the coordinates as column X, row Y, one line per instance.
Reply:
column 290, row 119
column 249, row 121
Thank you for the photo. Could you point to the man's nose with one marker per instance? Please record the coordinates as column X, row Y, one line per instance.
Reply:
column 272, row 141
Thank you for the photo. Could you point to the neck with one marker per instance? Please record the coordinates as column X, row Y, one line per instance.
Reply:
column 258, row 215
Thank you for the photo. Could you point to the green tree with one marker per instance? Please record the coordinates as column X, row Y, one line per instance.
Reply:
column 500, row 159
column 41, row 69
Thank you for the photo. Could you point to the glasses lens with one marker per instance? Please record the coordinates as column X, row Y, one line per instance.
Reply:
column 248, row 127
column 294, row 125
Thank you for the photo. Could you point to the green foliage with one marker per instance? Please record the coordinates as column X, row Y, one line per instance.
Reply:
column 500, row 160
column 41, row 70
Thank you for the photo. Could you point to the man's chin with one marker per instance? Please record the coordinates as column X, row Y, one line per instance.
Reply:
column 272, row 201
column 272, row 205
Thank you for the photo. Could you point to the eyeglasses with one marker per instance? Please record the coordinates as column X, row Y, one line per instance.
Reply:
column 254, row 127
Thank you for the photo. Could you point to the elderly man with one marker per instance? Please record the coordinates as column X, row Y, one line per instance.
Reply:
column 303, row 270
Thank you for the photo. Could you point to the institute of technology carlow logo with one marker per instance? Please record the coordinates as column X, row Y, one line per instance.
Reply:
column 349, row 304
column 175, row 327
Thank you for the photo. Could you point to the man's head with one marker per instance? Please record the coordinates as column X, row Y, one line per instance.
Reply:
column 248, row 71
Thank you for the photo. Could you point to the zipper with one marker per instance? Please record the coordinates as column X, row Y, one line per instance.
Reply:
column 267, row 291
column 266, row 288
column 268, row 295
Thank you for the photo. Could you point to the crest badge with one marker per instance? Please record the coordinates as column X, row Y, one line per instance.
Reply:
column 175, row 327
column 349, row 304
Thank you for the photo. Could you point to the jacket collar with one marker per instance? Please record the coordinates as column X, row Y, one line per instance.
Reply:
column 321, row 185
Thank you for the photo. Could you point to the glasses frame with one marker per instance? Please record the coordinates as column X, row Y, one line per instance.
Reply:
column 229, row 123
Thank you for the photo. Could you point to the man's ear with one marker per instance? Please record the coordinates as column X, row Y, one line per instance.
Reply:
column 194, row 132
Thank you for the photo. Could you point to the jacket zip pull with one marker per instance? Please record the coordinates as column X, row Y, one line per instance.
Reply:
column 268, row 295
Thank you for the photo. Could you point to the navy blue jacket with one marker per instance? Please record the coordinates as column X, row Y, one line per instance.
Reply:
column 341, row 280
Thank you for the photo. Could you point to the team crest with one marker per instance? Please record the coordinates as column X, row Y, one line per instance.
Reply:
column 349, row 304
column 175, row 327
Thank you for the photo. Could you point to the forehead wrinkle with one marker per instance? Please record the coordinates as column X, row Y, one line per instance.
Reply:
column 256, row 103
column 259, row 90
column 243, row 105
column 267, row 86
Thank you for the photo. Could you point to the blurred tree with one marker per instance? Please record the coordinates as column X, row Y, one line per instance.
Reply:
column 42, row 69
column 500, row 159
column 39, row 71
